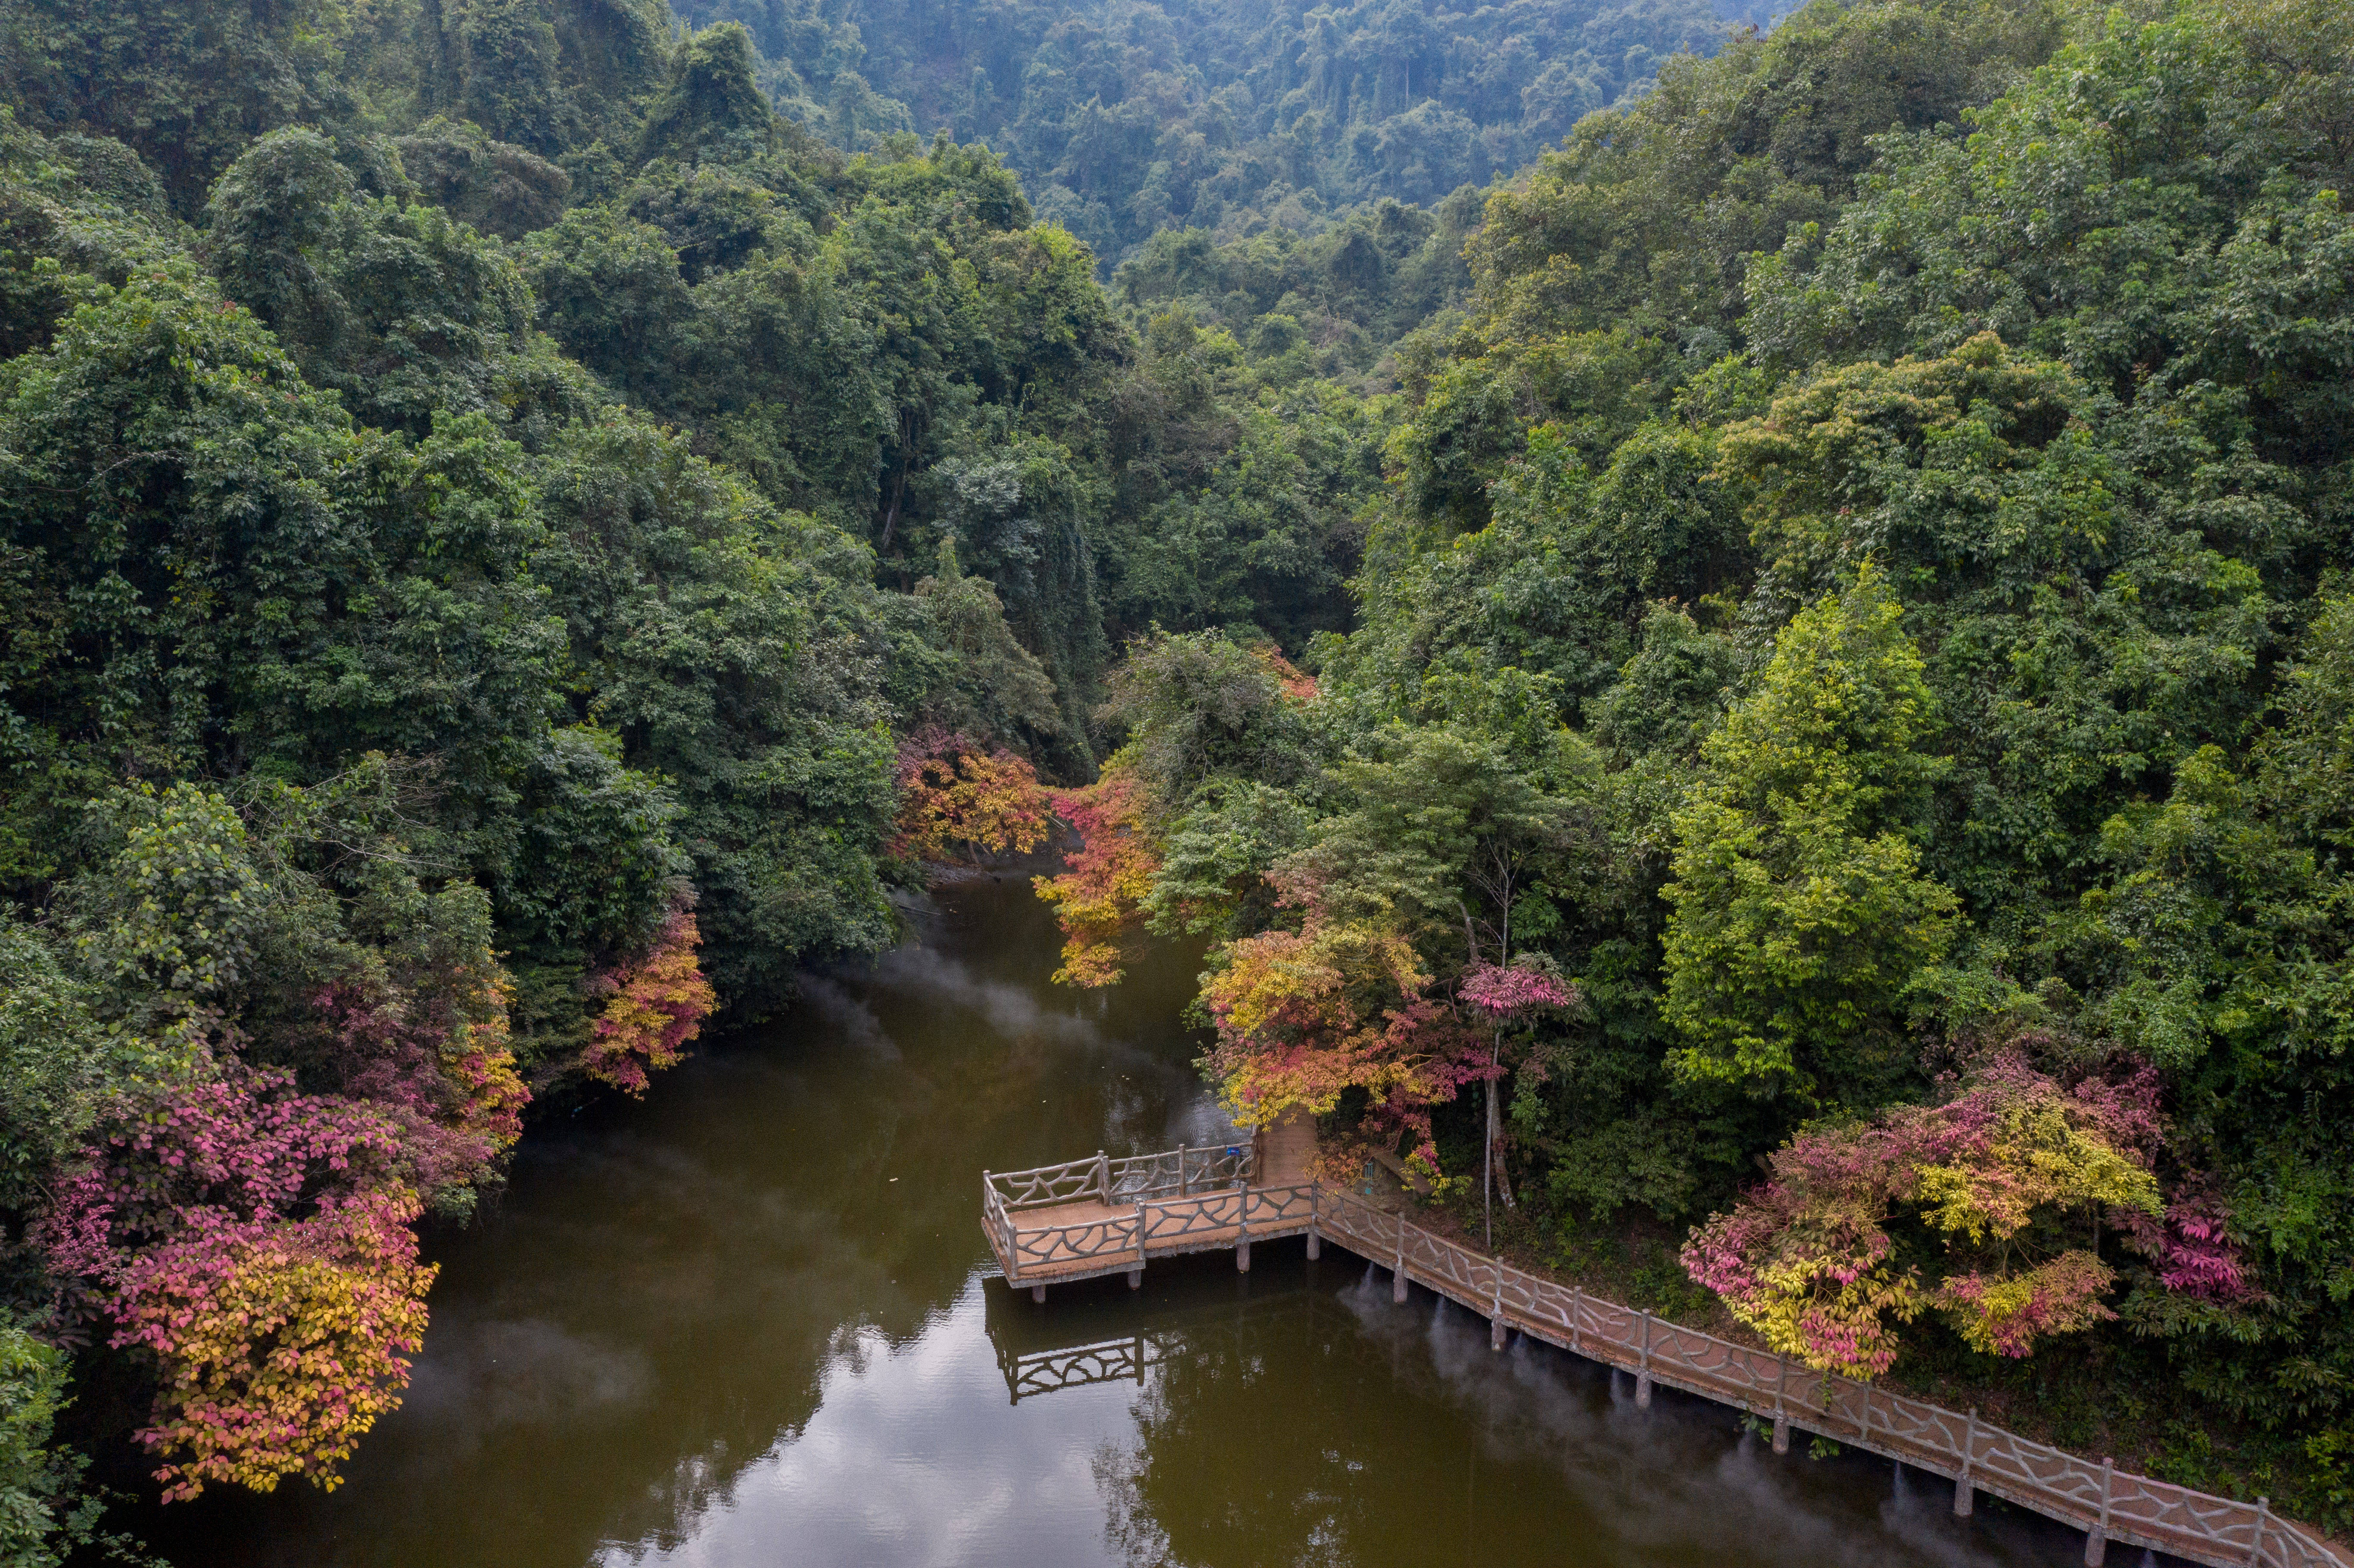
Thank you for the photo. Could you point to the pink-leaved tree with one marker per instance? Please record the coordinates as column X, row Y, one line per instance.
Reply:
column 256, row 1242
column 2014, row 1176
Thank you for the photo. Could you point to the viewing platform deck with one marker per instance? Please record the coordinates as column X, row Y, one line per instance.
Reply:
column 1089, row 1218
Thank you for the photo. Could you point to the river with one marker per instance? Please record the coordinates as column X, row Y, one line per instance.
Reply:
column 749, row 1320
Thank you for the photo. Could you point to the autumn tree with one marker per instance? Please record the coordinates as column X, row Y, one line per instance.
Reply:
column 256, row 1242
column 2011, row 1177
column 654, row 1002
column 959, row 798
column 1505, row 996
column 1306, row 1016
column 1099, row 896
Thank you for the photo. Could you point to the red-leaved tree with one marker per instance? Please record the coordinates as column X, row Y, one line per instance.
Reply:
column 959, row 798
column 2011, row 1174
column 1100, row 895
column 1303, row 1016
column 1504, row 995
column 258, row 1244
column 434, row 1060
column 654, row 1005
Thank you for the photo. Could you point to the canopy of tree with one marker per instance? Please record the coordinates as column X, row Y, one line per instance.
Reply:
column 511, row 547
column 1858, row 623
column 1127, row 119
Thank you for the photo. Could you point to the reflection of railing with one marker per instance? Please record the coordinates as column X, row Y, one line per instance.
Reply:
column 1122, row 1212
column 1096, row 1343
column 1106, row 1361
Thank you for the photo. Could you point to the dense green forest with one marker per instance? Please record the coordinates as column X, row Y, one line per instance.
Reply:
column 1125, row 120
column 1784, row 671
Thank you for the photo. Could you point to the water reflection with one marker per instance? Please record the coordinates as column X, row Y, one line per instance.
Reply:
column 747, row 1322
column 1410, row 1440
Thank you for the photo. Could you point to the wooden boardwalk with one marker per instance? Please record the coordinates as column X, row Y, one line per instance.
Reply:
column 1101, row 1216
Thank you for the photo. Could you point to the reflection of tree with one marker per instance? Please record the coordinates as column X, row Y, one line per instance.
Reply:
column 1229, row 1463
column 1192, row 1461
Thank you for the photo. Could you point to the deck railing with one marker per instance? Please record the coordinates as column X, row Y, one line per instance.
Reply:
column 1178, row 1171
column 1155, row 1206
column 1172, row 1201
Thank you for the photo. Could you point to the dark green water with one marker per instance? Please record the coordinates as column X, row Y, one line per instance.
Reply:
column 748, row 1321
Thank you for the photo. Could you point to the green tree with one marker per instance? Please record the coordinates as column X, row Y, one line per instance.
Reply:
column 43, row 1515
column 186, row 83
column 1799, row 906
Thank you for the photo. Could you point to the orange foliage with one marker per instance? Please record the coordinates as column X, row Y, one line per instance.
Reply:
column 1097, row 897
column 1297, row 683
column 955, row 795
column 657, row 1005
column 1303, row 1016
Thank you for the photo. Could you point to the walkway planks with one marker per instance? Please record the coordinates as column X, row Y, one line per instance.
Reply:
column 1100, row 1216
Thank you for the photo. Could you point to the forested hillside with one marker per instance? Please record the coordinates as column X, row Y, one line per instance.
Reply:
column 1127, row 119
column 499, row 527
column 1782, row 677
column 1840, row 781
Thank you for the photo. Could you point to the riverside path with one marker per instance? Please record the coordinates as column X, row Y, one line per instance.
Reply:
column 1093, row 1217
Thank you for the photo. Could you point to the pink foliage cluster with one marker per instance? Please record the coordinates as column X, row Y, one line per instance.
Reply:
column 207, row 1158
column 1806, row 1256
column 1502, row 992
column 447, row 1084
column 1807, row 1248
column 195, row 1197
column 2193, row 1248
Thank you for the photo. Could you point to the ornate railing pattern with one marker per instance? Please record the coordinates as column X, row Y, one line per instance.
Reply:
column 1181, row 1199
column 1080, row 1366
column 1123, row 1234
column 1178, row 1172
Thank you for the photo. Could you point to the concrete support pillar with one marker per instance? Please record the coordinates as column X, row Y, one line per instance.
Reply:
column 2097, row 1542
column 1965, row 1489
